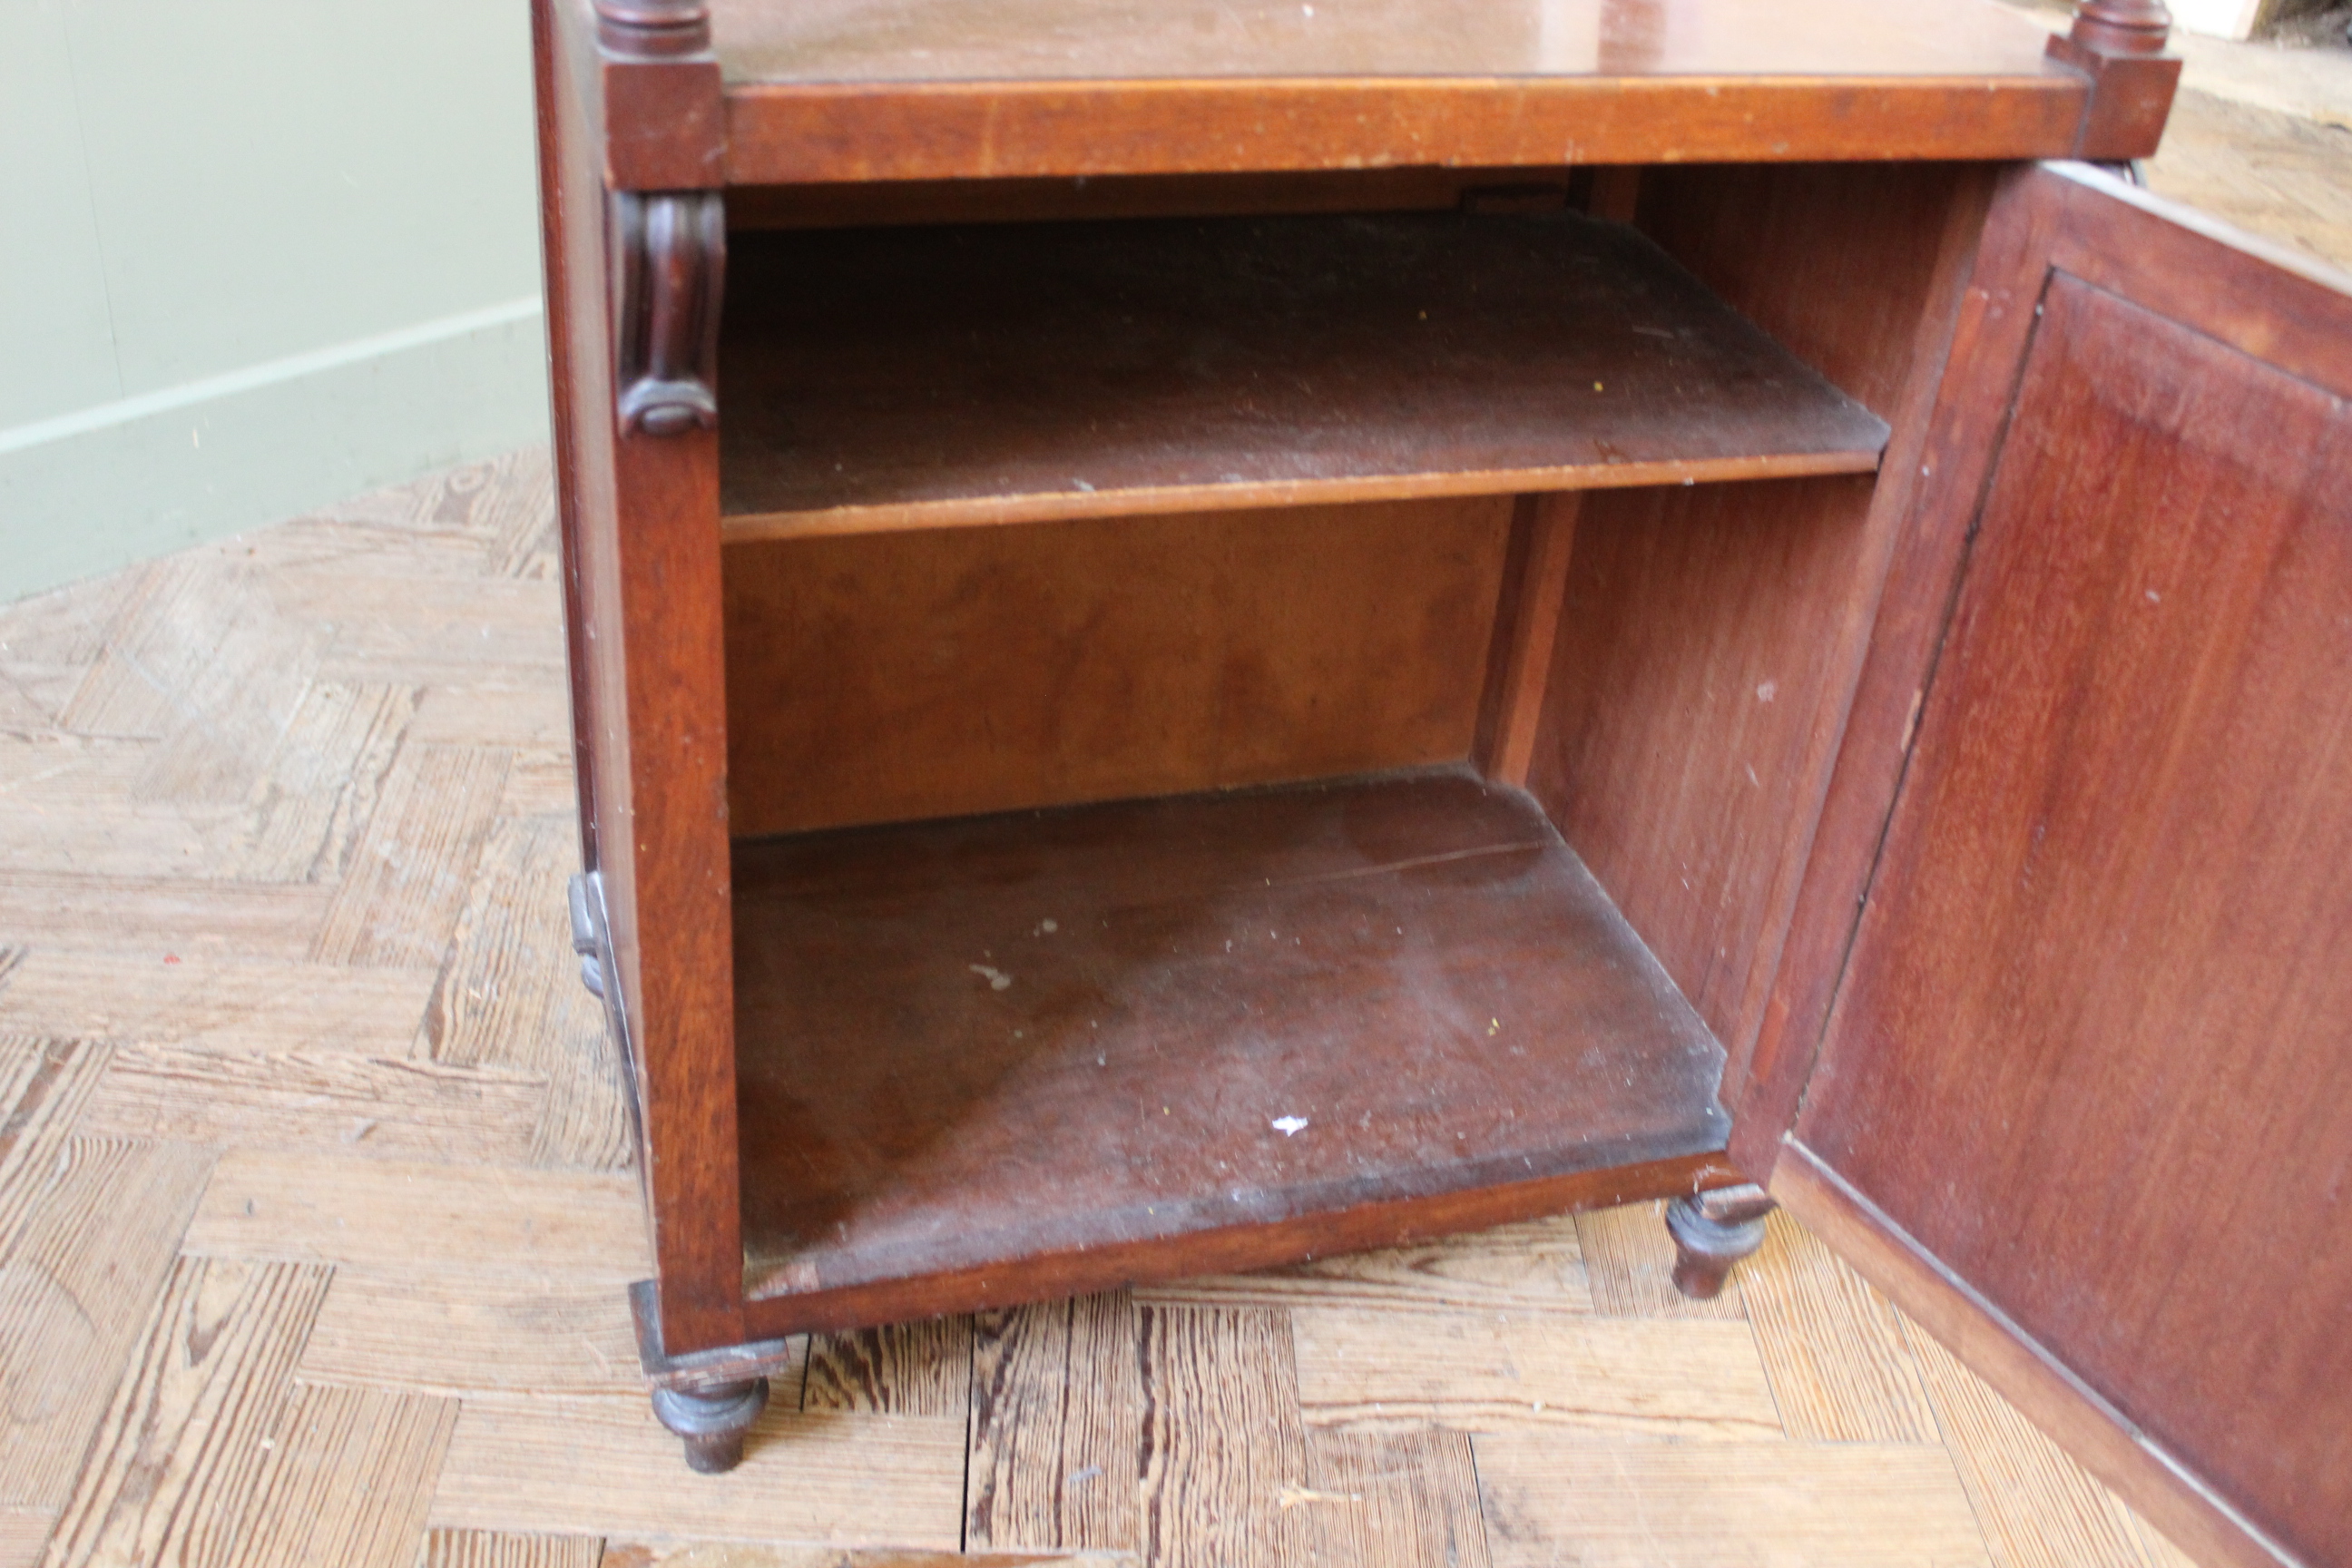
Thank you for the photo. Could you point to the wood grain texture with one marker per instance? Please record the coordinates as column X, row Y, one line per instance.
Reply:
column 1481, row 1373
column 201, row 640
column 188, row 1435
column 44, row 1085
column 1955, row 451
column 733, row 1555
column 395, row 906
column 458, row 1328
column 1405, row 1498
column 577, row 1227
column 323, row 779
column 1712, row 636
column 453, row 629
column 992, row 670
column 1219, row 1451
column 921, row 1368
column 643, row 580
column 2025, row 1371
column 93, row 1235
column 2272, row 172
column 2038, row 1508
column 893, row 91
column 508, row 996
column 1533, row 1267
column 773, row 42
column 220, row 1002
column 1425, row 189
column 600, row 1466
column 1839, row 1365
column 1723, row 1505
column 1056, row 1427
column 325, row 1100
column 1192, row 365
column 504, row 1549
column 346, row 1481
column 1122, row 1080
column 24, row 1532
column 1629, row 1262
column 157, row 914
column 2144, row 983
column 1527, row 625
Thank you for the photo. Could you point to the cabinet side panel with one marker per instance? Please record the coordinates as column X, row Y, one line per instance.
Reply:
column 1713, row 635
column 641, row 542
column 557, row 144
column 2092, row 1051
column 883, row 678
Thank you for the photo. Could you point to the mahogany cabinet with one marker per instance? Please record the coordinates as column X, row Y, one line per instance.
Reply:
column 1206, row 634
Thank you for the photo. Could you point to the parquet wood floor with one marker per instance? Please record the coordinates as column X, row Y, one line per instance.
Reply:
column 315, row 1212
column 315, row 1215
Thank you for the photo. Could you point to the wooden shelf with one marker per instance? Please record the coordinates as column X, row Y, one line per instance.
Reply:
column 1083, row 1036
column 900, row 89
column 885, row 379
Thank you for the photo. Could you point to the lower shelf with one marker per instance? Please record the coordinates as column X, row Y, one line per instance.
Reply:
column 1011, row 1057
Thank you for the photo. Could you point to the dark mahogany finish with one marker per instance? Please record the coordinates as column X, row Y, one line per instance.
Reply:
column 1685, row 633
column 1185, row 365
column 1123, row 1040
column 2090, row 1057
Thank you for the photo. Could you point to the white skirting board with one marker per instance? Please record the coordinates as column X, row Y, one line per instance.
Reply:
column 92, row 490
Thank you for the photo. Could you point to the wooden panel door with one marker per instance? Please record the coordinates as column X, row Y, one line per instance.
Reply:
column 2082, row 1095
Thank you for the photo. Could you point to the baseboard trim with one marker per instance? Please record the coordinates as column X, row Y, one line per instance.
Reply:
column 98, row 488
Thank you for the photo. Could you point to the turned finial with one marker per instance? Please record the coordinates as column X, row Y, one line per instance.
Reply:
column 2123, row 26
column 652, row 29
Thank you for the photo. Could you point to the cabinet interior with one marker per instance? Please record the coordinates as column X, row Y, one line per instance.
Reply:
column 1307, row 693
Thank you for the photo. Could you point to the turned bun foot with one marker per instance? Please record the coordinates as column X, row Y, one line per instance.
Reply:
column 710, row 1397
column 1712, row 1231
column 712, row 1421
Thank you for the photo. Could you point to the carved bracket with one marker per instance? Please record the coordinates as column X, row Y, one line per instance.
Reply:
column 668, row 265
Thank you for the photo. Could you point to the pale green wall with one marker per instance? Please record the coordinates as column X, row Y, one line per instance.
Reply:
column 255, row 254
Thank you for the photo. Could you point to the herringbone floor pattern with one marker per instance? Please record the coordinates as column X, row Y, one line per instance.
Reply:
column 315, row 1213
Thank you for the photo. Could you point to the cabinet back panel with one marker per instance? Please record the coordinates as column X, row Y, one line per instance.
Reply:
column 883, row 678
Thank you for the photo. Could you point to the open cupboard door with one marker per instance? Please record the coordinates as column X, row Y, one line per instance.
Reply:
column 2075, row 1085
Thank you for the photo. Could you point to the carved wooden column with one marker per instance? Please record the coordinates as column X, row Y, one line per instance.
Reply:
column 2123, row 26
column 2119, row 45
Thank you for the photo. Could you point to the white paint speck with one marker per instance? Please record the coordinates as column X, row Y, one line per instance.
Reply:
column 997, row 979
column 1289, row 1126
column 1049, row 925
column 2154, row 598
column 1768, row 691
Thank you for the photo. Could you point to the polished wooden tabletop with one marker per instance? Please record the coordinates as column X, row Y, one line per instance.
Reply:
column 813, row 41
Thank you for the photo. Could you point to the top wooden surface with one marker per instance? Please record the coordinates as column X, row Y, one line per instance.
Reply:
column 828, row 91
column 786, row 42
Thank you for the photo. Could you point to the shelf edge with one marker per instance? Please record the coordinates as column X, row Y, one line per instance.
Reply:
column 770, row 1310
column 820, row 133
column 981, row 511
